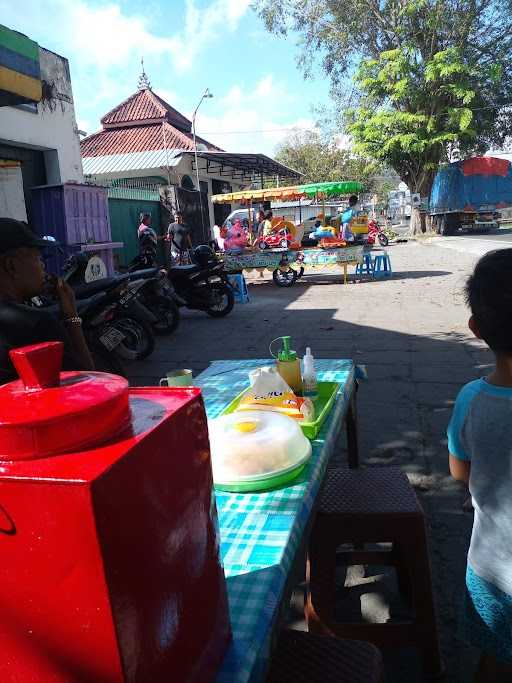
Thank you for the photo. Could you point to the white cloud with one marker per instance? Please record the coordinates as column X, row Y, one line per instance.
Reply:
column 252, row 120
column 84, row 125
column 265, row 87
column 170, row 96
column 104, row 42
column 106, row 36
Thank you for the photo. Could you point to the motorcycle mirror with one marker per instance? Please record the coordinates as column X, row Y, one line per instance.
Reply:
column 52, row 242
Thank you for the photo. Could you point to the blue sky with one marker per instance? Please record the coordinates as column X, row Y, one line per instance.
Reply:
column 187, row 45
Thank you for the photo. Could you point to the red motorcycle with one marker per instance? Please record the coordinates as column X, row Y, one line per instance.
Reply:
column 375, row 231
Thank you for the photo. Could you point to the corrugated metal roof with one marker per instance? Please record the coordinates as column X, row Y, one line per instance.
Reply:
column 133, row 161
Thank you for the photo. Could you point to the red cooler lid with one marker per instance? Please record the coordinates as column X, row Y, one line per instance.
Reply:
column 48, row 412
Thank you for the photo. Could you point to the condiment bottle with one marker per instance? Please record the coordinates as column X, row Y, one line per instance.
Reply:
column 288, row 366
column 309, row 380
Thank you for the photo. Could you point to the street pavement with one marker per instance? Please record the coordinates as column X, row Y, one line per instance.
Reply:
column 411, row 333
column 477, row 244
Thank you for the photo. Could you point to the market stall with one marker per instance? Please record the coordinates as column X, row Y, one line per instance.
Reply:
column 279, row 260
column 331, row 258
column 269, row 260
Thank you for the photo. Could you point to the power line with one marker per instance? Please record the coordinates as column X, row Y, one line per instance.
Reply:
column 249, row 132
column 495, row 107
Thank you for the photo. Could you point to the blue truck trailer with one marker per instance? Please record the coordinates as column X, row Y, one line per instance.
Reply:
column 469, row 194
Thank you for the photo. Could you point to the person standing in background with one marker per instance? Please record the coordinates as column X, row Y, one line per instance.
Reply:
column 145, row 225
column 346, row 219
column 267, row 224
column 178, row 236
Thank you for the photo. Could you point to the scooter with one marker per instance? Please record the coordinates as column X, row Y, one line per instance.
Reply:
column 111, row 318
column 202, row 286
column 147, row 291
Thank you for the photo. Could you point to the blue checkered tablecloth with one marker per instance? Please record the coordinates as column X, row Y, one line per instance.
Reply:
column 261, row 532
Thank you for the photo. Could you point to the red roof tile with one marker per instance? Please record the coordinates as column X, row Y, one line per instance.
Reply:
column 143, row 122
column 140, row 138
column 145, row 105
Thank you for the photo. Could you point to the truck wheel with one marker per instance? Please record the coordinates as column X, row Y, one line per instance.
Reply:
column 445, row 228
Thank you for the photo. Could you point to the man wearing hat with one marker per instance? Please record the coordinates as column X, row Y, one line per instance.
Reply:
column 22, row 276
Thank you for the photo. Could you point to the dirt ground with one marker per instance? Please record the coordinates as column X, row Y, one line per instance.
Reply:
column 411, row 334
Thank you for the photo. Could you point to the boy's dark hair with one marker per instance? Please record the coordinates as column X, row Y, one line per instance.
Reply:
column 268, row 216
column 352, row 200
column 489, row 296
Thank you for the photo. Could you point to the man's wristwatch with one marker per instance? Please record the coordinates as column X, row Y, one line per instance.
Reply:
column 74, row 320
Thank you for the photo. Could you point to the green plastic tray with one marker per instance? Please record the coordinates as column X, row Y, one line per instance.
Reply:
column 326, row 394
column 271, row 482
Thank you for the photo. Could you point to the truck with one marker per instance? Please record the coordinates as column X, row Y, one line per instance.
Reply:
column 469, row 194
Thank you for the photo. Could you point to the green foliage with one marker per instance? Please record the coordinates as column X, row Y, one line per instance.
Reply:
column 426, row 75
column 322, row 160
column 410, row 110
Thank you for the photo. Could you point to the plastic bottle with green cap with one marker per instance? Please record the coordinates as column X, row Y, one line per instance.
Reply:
column 288, row 365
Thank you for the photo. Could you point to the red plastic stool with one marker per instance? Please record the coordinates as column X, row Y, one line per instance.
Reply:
column 374, row 505
column 307, row 658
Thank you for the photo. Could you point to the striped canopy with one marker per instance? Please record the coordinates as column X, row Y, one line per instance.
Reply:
column 320, row 190
column 332, row 188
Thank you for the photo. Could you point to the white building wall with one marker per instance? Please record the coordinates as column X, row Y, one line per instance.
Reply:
column 53, row 128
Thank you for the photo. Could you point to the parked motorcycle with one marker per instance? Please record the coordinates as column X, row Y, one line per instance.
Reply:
column 376, row 231
column 110, row 320
column 147, row 291
column 204, row 285
column 157, row 298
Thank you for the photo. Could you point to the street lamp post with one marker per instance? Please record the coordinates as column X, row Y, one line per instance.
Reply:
column 206, row 95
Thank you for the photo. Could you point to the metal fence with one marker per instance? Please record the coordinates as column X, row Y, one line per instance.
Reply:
column 141, row 189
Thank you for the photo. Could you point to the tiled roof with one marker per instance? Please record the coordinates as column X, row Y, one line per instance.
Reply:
column 142, row 123
column 140, row 138
column 145, row 105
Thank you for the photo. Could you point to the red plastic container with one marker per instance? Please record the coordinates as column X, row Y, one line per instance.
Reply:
column 110, row 557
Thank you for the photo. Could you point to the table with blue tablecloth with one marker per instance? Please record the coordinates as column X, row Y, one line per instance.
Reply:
column 261, row 533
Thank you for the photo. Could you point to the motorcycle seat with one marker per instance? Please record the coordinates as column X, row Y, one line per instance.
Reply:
column 88, row 289
column 180, row 271
column 144, row 273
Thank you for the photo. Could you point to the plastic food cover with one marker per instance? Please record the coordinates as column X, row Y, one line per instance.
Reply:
column 251, row 446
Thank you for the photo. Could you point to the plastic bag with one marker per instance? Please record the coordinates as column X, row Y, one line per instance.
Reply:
column 269, row 391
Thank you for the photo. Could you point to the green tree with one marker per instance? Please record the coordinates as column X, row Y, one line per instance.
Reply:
column 321, row 159
column 426, row 75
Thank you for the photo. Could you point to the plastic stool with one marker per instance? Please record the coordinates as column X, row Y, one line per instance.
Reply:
column 382, row 266
column 374, row 505
column 366, row 267
column 308, row 658
column 239, row 287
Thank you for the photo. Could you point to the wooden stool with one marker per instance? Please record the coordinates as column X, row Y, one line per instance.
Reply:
column 307, row 658
column 371, row 506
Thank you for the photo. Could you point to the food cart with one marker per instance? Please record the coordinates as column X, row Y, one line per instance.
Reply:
column 280, row 261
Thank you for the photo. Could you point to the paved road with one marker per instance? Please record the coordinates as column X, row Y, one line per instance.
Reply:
column 501, row 235
column 476, row 244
